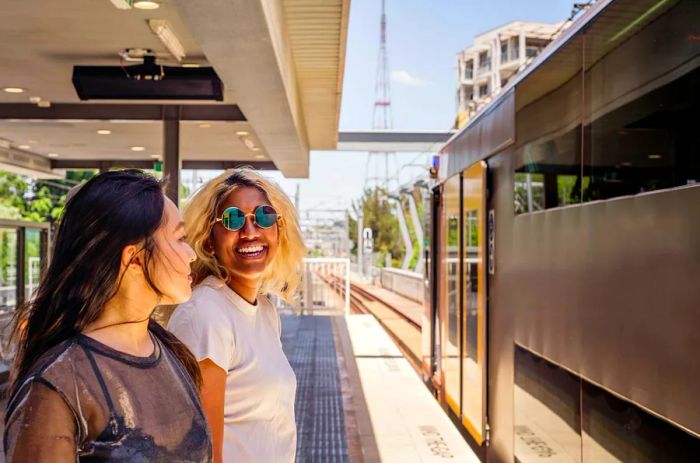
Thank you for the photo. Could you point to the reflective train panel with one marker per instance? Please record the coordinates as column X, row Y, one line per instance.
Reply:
column 562, row 268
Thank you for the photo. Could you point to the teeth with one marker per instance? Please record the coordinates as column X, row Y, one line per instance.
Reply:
column 250, row 249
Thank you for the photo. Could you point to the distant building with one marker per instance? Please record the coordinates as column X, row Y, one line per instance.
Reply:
column 496, row 56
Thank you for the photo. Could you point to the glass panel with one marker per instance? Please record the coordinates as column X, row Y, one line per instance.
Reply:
column 8, row 269
column 32, row 261
column 642, row 97
column 547, row 411
column 548, row 126
column 474, row 302
column 450, row 333
column 617, row 431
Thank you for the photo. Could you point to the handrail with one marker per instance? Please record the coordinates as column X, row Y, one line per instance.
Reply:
column 8, row 223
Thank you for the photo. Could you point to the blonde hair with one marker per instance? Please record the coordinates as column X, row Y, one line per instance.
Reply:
column 282, row 276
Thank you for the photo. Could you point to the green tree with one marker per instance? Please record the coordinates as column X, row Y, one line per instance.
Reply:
column 36, row 200
column 379, row 214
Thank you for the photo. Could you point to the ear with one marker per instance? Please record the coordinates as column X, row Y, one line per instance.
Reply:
column 132, row 258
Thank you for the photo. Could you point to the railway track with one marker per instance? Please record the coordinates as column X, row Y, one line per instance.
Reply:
column 403, row 329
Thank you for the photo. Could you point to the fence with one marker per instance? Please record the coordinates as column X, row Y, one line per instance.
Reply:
column 326, row 285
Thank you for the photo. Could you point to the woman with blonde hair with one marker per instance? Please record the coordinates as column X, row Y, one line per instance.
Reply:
column 245, row 233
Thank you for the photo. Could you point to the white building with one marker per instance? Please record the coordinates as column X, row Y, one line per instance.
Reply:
column 495, row 57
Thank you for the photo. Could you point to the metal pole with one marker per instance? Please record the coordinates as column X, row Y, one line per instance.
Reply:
column 171, row 152
column 347, row 287
column 20, row 275
column 360, row 244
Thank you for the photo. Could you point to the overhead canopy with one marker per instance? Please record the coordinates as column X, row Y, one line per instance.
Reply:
column 281, row 63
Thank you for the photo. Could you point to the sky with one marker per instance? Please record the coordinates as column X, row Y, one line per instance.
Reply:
column 423, row 39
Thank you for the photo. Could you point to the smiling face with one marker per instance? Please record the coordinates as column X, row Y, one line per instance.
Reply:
column 247, row 252
column 172, row 257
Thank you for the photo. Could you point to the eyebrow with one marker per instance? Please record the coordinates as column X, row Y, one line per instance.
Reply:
column 179, row 226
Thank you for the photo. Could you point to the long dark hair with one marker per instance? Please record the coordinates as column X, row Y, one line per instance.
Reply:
column 111, row 211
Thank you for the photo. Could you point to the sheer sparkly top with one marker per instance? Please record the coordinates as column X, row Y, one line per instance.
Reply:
column 84, row 401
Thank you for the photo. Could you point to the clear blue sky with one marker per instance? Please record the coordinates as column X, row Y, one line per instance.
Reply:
column 423, row 38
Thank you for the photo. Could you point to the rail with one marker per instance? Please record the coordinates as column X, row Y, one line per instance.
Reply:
column 403, row 329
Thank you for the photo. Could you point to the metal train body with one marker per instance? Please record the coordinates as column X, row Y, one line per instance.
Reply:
column 562, row 305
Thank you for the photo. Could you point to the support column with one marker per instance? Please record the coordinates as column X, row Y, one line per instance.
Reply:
column 172, row 163
column 521, row 50
column 21, row 272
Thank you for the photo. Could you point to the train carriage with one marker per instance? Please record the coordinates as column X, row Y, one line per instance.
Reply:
column 564, row 258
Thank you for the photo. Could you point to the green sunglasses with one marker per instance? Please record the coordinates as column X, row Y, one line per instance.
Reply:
column 233, row 218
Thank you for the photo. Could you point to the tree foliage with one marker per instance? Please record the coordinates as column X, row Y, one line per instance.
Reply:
column 22, row 198
column 379, row 214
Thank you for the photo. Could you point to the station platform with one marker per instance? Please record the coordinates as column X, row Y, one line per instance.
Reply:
column 359, row 399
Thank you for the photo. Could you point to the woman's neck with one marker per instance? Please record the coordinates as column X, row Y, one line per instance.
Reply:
column 248, row 290
column 123, row 325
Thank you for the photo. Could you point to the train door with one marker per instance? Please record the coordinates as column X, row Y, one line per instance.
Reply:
column 449, row 277
column 473, row 301
column 431, row 336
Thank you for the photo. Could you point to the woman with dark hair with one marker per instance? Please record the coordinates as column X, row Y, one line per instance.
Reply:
column 94, row 378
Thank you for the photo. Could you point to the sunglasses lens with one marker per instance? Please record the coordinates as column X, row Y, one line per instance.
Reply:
column 233, row 218
column 265, row 216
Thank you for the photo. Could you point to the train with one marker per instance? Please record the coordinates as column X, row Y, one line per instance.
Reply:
column 561, row 320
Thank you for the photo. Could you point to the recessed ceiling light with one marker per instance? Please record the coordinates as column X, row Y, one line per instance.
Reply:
column 32, row 142
column 204, row 126
column 654, row 156
column 191, row 65
column 626, row 164
column 138, row 148
column 259, row 156
column 13, row 90
column 146, row 5
column 255, row 148
column 104, row 132
column 242, row 133
column 155, row 156
column 52, row 155
column 24, row 147
column 34, row 99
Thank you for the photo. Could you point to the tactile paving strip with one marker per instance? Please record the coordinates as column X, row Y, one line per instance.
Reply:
column 308, row 343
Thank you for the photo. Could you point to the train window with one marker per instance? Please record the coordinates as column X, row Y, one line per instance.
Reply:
column 548, row 133
column 547, row 411
column 562, row 417
column 642, row 97
column 615, row 431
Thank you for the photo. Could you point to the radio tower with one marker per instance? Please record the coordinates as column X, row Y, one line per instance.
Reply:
column 378, row 161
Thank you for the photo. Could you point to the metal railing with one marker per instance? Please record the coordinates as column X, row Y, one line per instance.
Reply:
column 326, row 285
column 24, row 255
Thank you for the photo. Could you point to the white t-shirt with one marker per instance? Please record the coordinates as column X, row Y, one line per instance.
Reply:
column 243, row 339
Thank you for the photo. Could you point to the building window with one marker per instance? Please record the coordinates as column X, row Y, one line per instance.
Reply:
column 504, row 52
column 514, row 48
column 484, row 61
column 469, row 69
column 483, row 90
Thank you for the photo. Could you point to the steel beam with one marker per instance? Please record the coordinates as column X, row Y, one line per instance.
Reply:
column 392, row 141
column 104, row 165
column 133, row 112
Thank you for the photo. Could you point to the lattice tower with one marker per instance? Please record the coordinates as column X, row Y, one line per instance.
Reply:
column 382, row 169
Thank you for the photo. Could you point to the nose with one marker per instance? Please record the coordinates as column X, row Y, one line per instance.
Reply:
column 249, row 230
